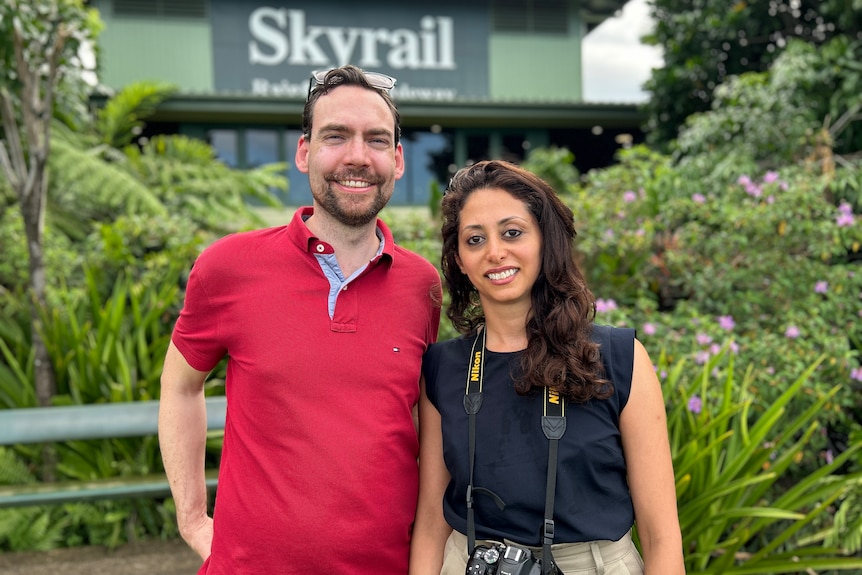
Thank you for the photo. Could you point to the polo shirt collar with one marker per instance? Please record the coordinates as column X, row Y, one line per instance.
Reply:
column 308, row 242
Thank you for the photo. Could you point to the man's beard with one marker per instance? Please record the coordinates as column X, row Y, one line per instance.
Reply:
column 340, row 207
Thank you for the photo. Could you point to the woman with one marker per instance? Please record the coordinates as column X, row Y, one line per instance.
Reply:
column 520, row 300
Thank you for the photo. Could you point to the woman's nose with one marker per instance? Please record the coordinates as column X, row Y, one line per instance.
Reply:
column 496, row 250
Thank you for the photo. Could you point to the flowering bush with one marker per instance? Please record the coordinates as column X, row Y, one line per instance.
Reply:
column 769, row 262
column 713, row 257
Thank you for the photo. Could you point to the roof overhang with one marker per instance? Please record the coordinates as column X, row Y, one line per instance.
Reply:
column 246, row 109
column 594, row 12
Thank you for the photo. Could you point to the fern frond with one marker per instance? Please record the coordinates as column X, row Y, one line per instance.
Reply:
column 120, row 119
column 189, row 179
column 13, row 471
column 86, row 185
column 847, row 531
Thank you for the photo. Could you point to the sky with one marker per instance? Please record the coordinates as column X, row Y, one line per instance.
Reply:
column 615, row 63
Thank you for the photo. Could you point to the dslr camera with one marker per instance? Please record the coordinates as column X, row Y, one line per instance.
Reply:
column 501, row 559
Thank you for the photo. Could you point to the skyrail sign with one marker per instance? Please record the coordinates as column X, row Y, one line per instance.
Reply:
column 438, row 52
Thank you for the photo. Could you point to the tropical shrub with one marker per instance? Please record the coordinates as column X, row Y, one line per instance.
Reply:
column 123, row 228
column 107, row 347
column 741, row 508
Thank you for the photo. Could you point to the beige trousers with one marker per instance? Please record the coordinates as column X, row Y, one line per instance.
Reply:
column 593, row 558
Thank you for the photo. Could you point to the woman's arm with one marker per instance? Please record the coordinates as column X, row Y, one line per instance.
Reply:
column 430, row 530
column 643, row 424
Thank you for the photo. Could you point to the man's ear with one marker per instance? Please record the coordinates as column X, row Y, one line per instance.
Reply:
column 399, row 161
column 301, row 158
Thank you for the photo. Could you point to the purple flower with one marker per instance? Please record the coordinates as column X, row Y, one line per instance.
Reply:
column 753, row 190
column 603, row 305
column 821, row 287
column 698, row 198
column 629, row 197
column 703, row 339
column 744, row 180
column 845, row 220
column 856, row 373
column 845, row 215
column 649, row 329
column 695, row 405
column 714, row 349
column 701, row 357
column 792, row 332
column 734, row 347
column 726, row 322
column 770, row 177
column 829, row 457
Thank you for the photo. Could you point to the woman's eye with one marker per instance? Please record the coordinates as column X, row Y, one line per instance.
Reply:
column 474, row 240
column 510, row 234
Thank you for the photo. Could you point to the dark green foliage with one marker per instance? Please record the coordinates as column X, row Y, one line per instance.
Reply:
column 123, row 228
column 705, row 42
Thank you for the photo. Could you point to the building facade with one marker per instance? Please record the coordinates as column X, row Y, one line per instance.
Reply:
column 476, row 79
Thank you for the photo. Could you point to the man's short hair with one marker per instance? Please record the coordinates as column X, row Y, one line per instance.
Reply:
column 349, row 75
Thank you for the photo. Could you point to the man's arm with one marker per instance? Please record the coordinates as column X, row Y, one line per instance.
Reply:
column 430, row 530
column 182, row 438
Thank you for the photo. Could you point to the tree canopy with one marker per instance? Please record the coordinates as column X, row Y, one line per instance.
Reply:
column 705, row 42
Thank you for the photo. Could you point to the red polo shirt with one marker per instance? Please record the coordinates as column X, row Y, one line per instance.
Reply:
column 318, row 472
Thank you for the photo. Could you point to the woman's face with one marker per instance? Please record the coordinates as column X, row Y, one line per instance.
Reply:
column 499, row 247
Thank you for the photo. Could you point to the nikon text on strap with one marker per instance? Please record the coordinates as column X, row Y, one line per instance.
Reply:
column 553, row 425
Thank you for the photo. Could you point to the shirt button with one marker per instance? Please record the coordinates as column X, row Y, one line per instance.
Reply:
column 320, row 248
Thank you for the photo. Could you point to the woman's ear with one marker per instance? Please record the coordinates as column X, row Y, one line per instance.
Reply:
column 458, row 261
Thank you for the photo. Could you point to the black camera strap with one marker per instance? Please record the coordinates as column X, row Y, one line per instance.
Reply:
column 553, row 425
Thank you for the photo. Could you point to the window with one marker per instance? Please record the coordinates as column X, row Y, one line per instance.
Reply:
column 226, row 145
column 542, row 16
column 161, row 8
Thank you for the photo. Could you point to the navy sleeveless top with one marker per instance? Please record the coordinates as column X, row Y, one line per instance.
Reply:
column 592, row 499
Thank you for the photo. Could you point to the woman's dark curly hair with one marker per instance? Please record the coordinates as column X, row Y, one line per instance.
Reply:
column 560, row 353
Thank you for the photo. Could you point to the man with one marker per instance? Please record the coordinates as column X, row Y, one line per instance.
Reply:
column 324, row 322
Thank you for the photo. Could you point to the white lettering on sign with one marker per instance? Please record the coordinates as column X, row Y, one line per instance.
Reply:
column 282, row 35
column 284, row 88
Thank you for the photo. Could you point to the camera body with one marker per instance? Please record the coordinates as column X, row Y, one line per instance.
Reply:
column 501, row 559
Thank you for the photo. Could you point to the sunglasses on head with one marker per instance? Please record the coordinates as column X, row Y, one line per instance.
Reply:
column 375, row 79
